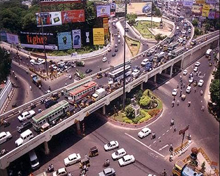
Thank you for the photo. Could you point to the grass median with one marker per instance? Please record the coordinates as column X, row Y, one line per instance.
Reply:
column 133, row 46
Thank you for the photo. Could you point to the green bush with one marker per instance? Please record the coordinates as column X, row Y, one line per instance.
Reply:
column 145, row 100
column 153, row 112
column 128, row 121
column 129, row 111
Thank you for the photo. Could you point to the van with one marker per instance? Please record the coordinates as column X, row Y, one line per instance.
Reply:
column 33, row 160
column 208, row 52
column 24, row 137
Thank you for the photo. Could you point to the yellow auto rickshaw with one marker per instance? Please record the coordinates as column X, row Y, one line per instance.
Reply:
column 84, row 163
column 93, row 151
column 183, row 97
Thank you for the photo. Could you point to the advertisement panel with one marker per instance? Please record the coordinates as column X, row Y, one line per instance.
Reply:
column 120, row 8
column 98, row 36
column 205, row 13
column 3, row 36
column 12, row 38
column 76, row 38
column 103, row 10
column 187, row 3
column 113, row 6
column 211, row 1
column 48, row 19
column 60, row 1
column 64, row 40
column 36, row 40
column 200, row 1
column 197, row 9
column 73, row 16
column 205, row 7
column 105, row 25
column 211, row 14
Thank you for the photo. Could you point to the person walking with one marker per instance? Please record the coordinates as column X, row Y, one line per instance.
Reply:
column 173, row 102
column 177, row 102
column 189, row 103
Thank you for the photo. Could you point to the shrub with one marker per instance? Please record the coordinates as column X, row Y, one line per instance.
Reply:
column 126, row 120
column 129, row 111
column 153, row 112
column 145, row 100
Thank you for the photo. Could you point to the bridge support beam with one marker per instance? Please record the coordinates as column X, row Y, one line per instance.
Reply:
column 78, row 127
column 171, row 71
column 155, row 78
column 142, row 86
column 103, row 110
column 3, row 172
column 46, row 148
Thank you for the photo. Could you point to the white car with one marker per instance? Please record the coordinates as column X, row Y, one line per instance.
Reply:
column 40, row 61
column 118, row 154
column 191, row 79
column 60, row 172
column 107, row 172
column 125, row 160
column 197, row 64
column 144, row 62
column 180, row 40
column 111, row 145
column 174, row 92
column 195, row 69
column 119, row 41
column 33, row 62
column 72, row 159
column 188, row 89
column 26, row 115
column 104, row 59
column 4, row 136
column 144, row 132
column 200, row 83
column 185, row 72
column 135, row 73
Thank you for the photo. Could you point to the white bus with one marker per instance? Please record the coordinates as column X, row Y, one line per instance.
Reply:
column 118, row 74
column 208, row 52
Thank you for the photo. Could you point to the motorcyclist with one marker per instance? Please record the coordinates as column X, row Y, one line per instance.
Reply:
column 107, row 162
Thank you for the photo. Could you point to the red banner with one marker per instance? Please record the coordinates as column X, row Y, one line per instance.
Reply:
column 73, row 16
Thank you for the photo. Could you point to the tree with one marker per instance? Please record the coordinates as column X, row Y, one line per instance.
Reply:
column 203, row 167
column 131, row 18
column 90, row 13
column 158, row 37
column 129, row 111
column 215, row 91
column 5, row 65
column 195, row 23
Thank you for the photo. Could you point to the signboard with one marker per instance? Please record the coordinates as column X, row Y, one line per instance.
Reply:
column 187, row 3
column 206, row 7
column 48, row 19
column 103, row 10
column 3, row 36
column 36, row 40
column 98, row 36
column 120, row 8
column 12, row 38
column 197, row 9
column 205, row 10
column 200, row 1
column 211, row 14
column 64, row 40
column 59, row 1
column 113, row 6
column 76, row 38
column 211, row 1
column 73, row 16
column 105, row 25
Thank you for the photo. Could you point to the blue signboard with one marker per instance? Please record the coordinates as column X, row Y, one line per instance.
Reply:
column 64, row 40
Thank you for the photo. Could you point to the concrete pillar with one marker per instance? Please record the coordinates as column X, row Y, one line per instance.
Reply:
column 103, row 110
column 142, row 86
column 46, row 148
column 78, row 127
column 171, row 71
column 155, row 78
column 3, row 172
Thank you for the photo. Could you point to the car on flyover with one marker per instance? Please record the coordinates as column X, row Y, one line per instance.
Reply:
column 144, row 62
column 125, row 160
column 72, row 159
column 26, row 115
column 111, row 145
column 118, row 154
column 107, row 172
column 144, row 132
column 26, row 125
column 4, row 136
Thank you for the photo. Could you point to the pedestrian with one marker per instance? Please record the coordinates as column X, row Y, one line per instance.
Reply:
column 203, row 108
column 201, row 92
column 177, row 102
column 173, row 103
column 174, row 129
column 30, row 88
column 189, row 103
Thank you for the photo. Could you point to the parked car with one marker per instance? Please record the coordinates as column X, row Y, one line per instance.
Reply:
column 118, row 154
column 174, row 92
column 4, row 136
column 188, row 89
column 185, row 72
column 195, row 69
column 111, row 145
column 200, row 83
column 125, row 160
column 113, row 54
column 60, row 172
column 107, row 172
column 144, row 132
column 72, row 159
column 26, row 115
column 24, row 126
column 197, row 64
column 104, row 59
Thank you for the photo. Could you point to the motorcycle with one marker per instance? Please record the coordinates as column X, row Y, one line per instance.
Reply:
column 106, row 163
column 50, row 168
column 3, row 152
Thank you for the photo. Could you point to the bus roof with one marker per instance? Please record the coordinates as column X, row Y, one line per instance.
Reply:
column 180, row 164
column 50, row 110
column 75, row 85
column 82, row 87
column 120, row 70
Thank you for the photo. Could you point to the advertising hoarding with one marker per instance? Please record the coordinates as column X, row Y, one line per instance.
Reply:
column 64, row 40
column 36, row 40
column 211, row 14
column 73, row 16
column 12, row 38
column 76, row 38
column 187, row 3
column 113, row 6
column 3, row 36
column 120, row 8
column 197, row 9
column 48, row 19
column 103, row 10
column 60, row 1
column 98, row 36
column 105, row 25
column 200, row 1
column 205, row 13
column 211, row 1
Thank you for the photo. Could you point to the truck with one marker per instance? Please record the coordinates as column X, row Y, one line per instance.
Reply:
column 36, row 80
column 99, row 93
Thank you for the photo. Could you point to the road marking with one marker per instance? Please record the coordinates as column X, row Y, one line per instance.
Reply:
column 163, row 147
column 167, row 131
column 170, row 128
column 163, row 134
column 154, row 141
column 159, row 137
column 144, row 145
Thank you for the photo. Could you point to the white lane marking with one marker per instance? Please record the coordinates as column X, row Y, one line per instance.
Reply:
column 163, row 134
column 167, row 131
column 144, row 145
column 159, row 137
column 163, row 147
column 170, row 128
column 154, row 141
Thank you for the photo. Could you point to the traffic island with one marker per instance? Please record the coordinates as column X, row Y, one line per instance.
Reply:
column 133, row 45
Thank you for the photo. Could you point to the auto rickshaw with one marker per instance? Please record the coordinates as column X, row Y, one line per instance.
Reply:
column 99, row 75
column 84, row 163
column 183, row 97
column 93, row 151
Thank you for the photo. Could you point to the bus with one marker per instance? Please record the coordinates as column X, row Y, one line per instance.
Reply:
column 79, row 93
column 50, row 116
column 172, row 46
column 118, row 74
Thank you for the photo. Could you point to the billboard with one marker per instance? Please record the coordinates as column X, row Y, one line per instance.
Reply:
column 211, row 14
column 197, row 9
column 120, row 8
column 103, row 10
column 64, row 40
column 98, row 36
column 113, row 6
column 59, row 1
column 105, row 25
column 48, row 19
column 73, row 16
column 12, row 38
column 211, row 1
column 37, row 40
column 76, row 38
column 200, row 1
column 3, row 36
column 187, row 3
